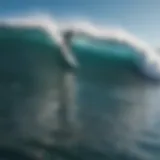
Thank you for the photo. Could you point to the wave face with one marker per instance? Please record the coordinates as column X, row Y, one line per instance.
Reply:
column 116, row 115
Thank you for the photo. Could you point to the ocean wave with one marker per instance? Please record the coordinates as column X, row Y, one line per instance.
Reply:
column 150, row 59
column 119, row 112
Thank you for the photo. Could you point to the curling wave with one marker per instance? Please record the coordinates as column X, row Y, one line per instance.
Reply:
column 92, row 37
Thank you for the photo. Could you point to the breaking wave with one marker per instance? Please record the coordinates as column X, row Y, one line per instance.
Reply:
column 97, row 39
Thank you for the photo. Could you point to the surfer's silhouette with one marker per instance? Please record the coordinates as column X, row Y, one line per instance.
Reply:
column 68, row 35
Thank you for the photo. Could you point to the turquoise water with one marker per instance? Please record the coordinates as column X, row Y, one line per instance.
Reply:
column 117, row 107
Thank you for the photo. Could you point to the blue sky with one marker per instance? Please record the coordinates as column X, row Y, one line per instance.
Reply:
column 141, row 17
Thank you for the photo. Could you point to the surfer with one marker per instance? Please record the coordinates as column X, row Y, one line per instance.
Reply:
column 66, row 50
column 68, row 35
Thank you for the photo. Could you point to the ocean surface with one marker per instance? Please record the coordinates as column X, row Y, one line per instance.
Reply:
column 117, row 93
